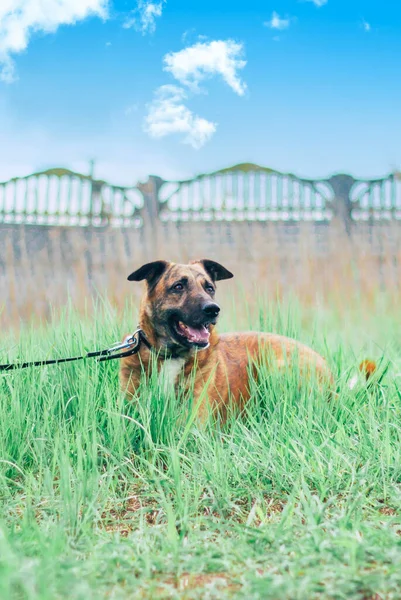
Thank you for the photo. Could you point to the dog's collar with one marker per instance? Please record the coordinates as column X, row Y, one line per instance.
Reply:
column 139, row 337
column 144, row 339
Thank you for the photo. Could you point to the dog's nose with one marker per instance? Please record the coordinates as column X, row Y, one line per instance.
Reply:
column 211, row 310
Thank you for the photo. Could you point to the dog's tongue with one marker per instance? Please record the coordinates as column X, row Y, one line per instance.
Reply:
column 197, row 335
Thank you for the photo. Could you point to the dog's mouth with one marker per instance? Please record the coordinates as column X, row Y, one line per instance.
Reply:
column 190, row 335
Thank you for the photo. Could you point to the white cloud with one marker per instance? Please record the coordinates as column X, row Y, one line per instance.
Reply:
column 191, row 33
column 366, row 26
column 144, row 16
column 19, row 19
column 187, row 34
column 318, row 3
column 168, row 115
column 277, row 23
column 195, row 63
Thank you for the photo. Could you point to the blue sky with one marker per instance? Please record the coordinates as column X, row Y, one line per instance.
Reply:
column 176, row 88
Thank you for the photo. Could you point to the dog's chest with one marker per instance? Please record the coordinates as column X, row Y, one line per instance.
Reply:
column 170, row 371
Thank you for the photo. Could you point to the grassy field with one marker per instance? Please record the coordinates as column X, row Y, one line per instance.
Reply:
column 299, row 499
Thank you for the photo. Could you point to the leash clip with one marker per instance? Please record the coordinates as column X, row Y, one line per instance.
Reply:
column 131, row 346
column 132, row 340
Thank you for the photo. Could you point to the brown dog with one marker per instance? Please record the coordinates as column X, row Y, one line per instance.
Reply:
column 178, row 315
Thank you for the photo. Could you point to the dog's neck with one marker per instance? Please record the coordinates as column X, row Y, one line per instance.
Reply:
column 175, row 352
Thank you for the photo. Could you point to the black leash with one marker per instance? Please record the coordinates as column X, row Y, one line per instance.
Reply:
column 133, row 343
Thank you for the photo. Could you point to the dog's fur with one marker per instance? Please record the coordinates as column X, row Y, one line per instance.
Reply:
column 178, row 302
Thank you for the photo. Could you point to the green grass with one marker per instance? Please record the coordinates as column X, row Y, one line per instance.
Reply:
column 299, row 499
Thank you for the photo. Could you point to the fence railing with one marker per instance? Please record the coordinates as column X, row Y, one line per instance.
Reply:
column 244, row 192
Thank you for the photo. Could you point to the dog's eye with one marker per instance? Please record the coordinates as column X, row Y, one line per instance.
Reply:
column 178, row 287
column 210, row 289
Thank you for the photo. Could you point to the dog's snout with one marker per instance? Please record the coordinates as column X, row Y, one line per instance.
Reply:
column 211, row 310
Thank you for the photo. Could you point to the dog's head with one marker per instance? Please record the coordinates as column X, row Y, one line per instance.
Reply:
column 179, row 302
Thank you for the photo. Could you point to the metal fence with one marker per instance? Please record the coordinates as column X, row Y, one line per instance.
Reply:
column 244, row 192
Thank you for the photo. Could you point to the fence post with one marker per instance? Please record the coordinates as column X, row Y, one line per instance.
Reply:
column 342, row 205
column 150, row 212
column 92, row 191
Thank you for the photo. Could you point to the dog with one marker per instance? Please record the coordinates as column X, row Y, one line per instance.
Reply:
column 178, row 314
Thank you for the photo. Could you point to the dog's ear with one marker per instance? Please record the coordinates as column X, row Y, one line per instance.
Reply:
column 216, row 271
column 151, row 272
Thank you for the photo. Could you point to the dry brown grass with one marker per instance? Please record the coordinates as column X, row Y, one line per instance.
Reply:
column 41, row 267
